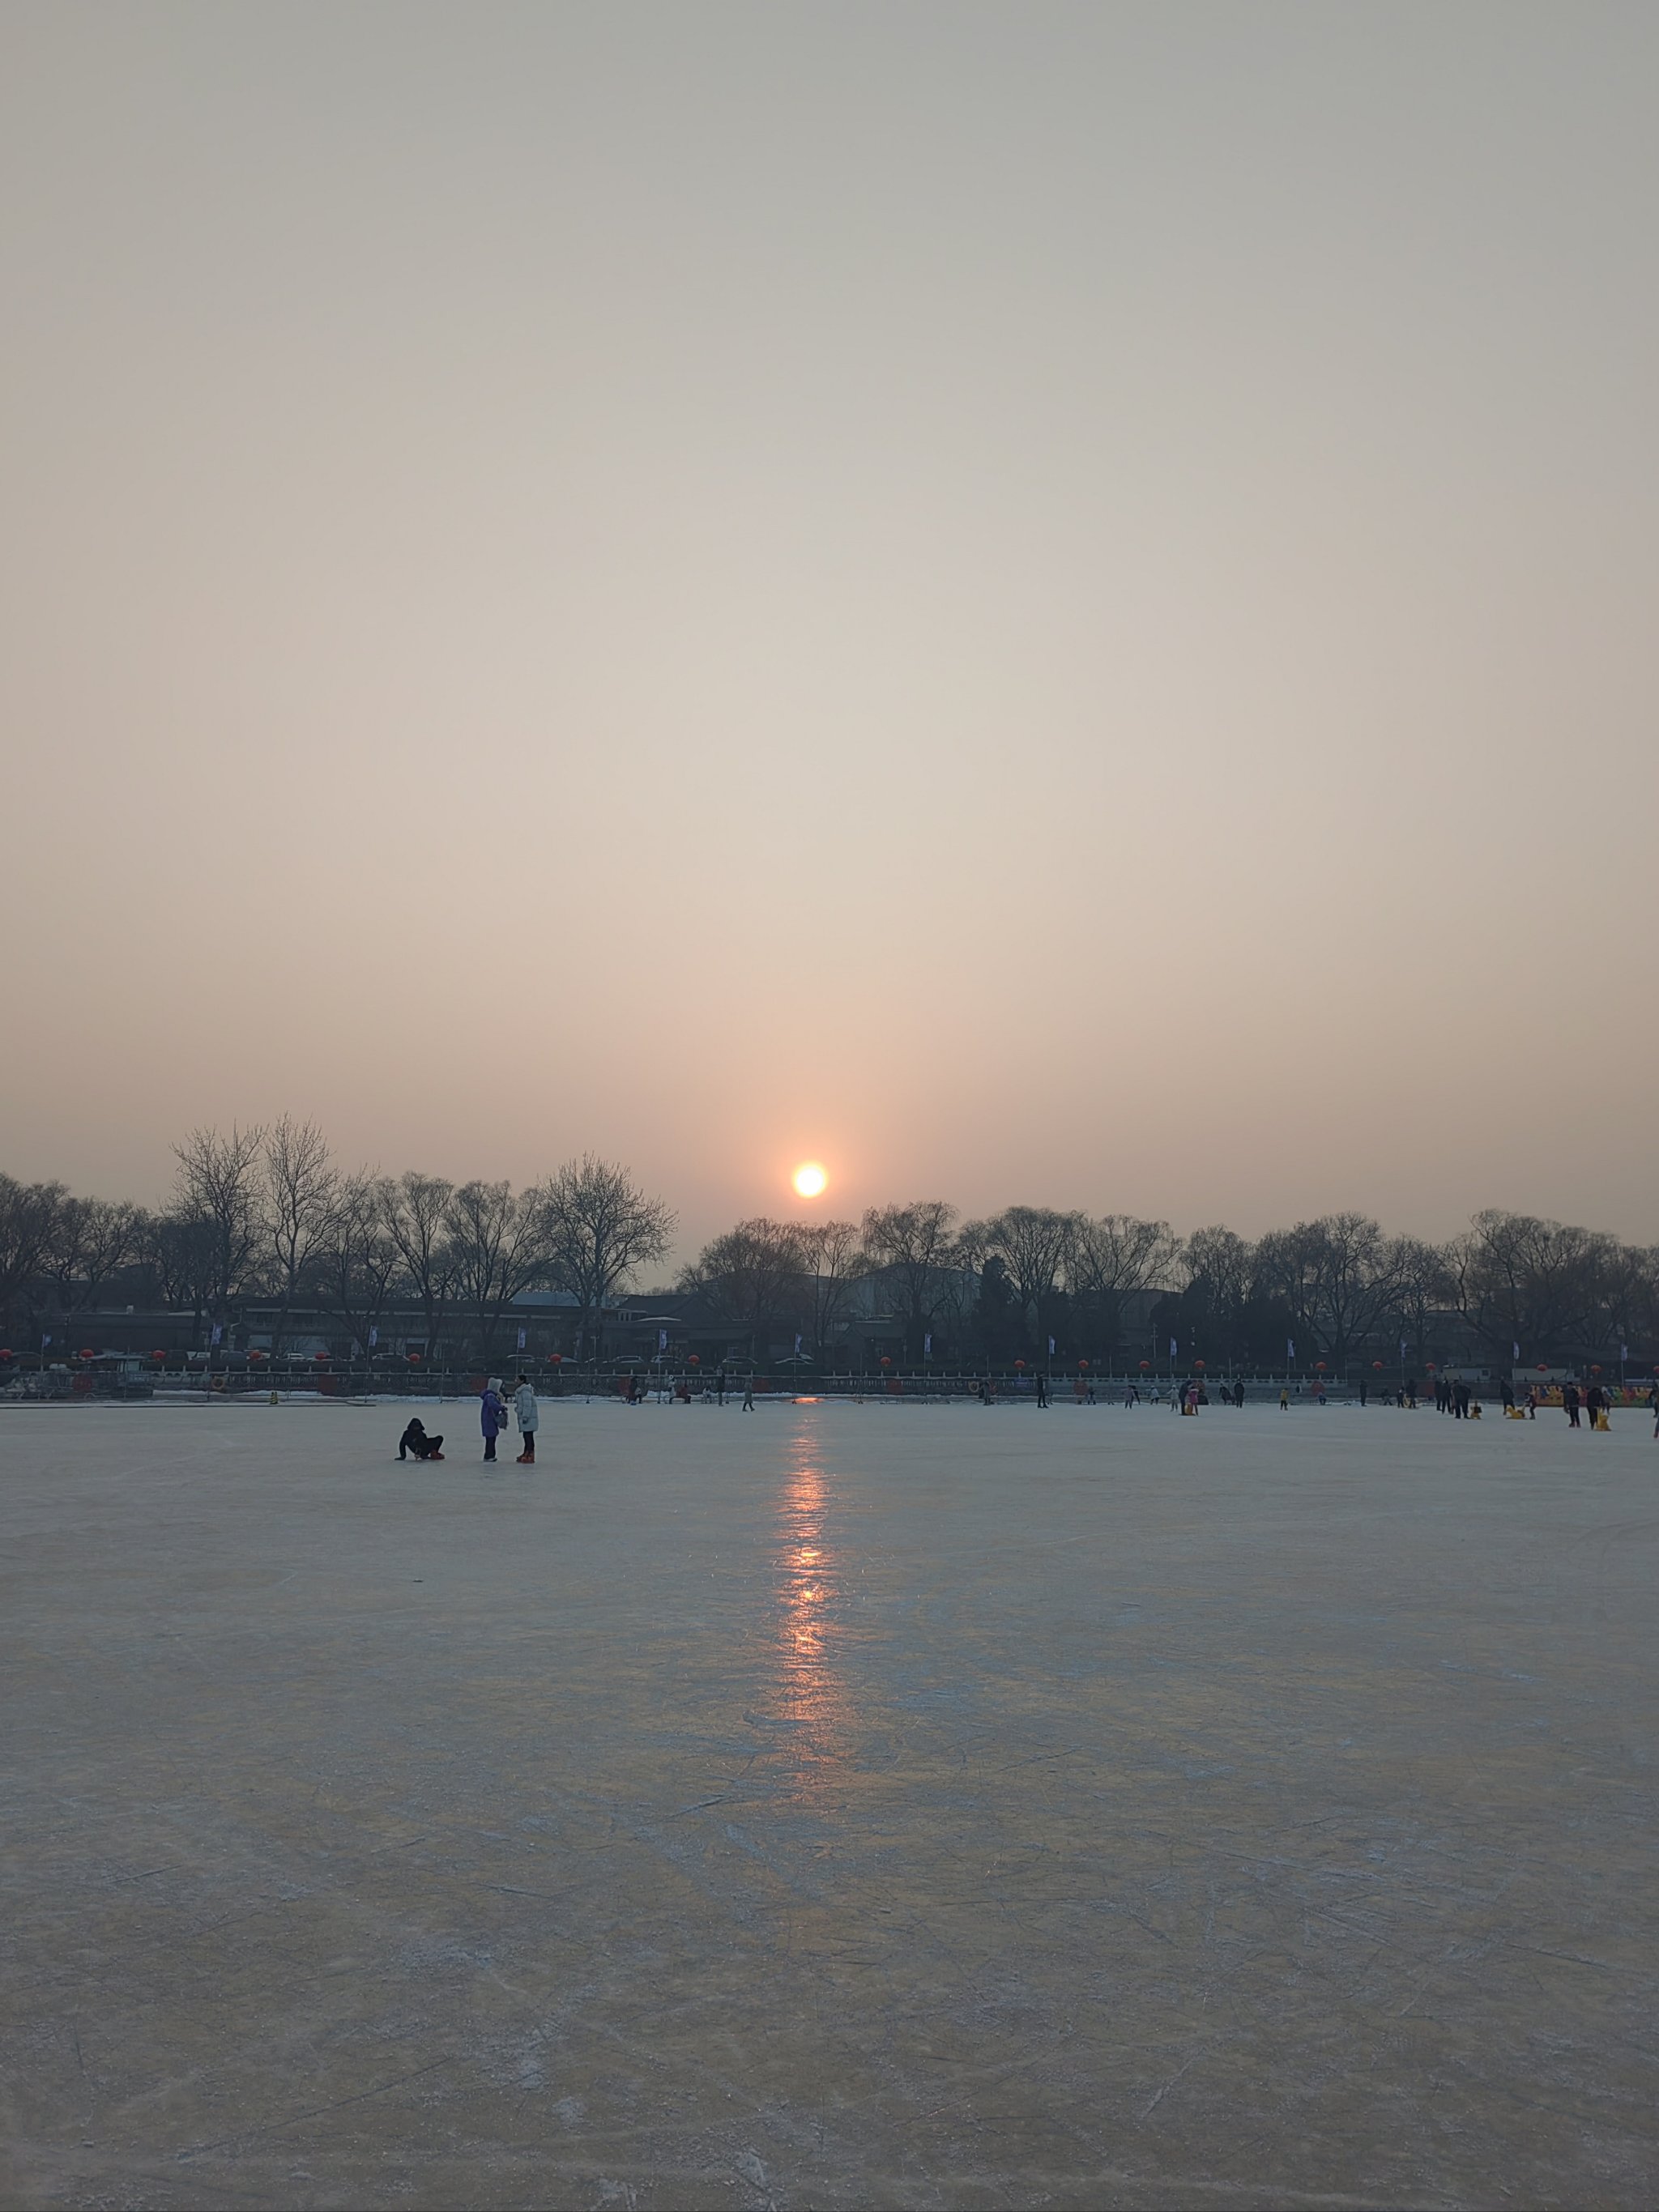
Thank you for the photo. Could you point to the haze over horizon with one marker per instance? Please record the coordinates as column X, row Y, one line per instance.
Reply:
column 1039, row 605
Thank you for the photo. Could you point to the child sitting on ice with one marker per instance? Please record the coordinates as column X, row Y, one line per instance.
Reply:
column 414, row 1439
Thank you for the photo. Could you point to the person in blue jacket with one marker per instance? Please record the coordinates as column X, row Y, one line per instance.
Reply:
column 492, row 1416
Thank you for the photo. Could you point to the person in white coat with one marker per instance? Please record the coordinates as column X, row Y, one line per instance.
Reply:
column 527, row 1414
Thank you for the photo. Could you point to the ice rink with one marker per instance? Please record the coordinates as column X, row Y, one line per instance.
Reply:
column 830, row 1806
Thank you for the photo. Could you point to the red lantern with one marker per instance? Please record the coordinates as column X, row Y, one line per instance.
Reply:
column 1377, row 1365
column 886, row 1362
column 1542, row 1368
column 1431, row 1367
column 558, row 1359
column 321, row 1356
column 1083, row 1363
column 87, row 1353
column 155, row 1355
column 1595, row 1370
column 1198, row 1363
column 1020, row 1363
column 256, row 1355
column 1145, row 1364
column 1319, row 1366
column 693, row 1361
column 6, row 1353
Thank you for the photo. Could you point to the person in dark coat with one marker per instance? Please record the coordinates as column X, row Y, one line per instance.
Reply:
column 1570, row 1402
column 414, row 1439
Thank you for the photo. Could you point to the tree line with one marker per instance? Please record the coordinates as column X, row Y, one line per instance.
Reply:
column 1512, row 1287
column 268, row 1213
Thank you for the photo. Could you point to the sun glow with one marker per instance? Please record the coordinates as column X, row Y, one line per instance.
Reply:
column 810, row 1180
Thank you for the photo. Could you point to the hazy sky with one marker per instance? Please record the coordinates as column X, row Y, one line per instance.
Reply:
column 1042, row 603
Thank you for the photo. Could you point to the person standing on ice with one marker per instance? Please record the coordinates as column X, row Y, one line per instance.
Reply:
column 492, row 1415
column 526, row 1412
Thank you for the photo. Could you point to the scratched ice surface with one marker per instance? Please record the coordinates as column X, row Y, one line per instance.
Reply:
column 828, row 1806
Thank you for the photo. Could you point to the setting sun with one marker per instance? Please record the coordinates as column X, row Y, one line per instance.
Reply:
column 810, row 1180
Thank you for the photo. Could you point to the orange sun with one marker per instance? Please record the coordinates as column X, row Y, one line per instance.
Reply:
column 810, row 1180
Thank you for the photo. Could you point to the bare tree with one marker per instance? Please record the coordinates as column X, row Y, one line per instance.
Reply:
column 1221, row 1259
column 1033, row 1243
column 1627, row 1296
column 601, row 1227
column 912, row 1244
column 29, row 1222
column 1521, row 1280
column 416, row 1211
column 497, row 1249
column 301, row 1191
column 356, row 1263
column 181, row 1249
column 1424, row 1285
column 1110, row 1259
column 219, row 1184
column 833, row 1259
column 1340, row 1277
column 752, row 1275
column 94, row 1239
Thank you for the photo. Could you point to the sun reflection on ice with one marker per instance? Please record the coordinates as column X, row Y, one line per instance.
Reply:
column 813, row 1702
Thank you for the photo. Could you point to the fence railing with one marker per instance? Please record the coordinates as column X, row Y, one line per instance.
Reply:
column 671, row 1383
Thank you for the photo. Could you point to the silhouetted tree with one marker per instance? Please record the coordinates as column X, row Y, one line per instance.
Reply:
column 753, row 1276
column 356, row 1265
column 93, row 1240
column 1034, row 1243
column 913, row 1244
column 1522, row 1280
column 220, row 1185
column 1110, row 1260
column 600, row 1227
column 416, row 1211
column 301, row 1188
column 28, row 1221
column 835, row 1260
column 497, row 1247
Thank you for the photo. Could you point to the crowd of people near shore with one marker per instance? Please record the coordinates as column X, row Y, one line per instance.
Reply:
column 1453, row 1396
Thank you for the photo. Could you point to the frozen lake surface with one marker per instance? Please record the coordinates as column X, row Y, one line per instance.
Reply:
column 828, row 1806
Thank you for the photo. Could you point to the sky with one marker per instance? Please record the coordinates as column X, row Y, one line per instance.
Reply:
column 1043, row 603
